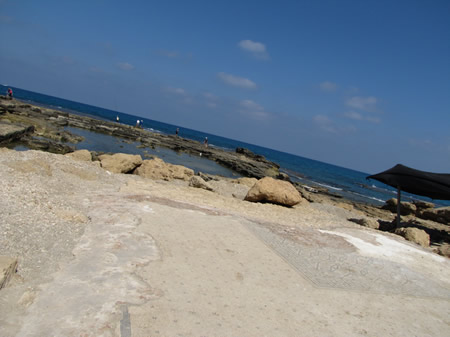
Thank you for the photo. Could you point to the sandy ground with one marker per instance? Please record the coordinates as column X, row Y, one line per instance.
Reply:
column 104, row 254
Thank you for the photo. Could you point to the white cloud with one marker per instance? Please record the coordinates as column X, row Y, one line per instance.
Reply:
column 178, row 91
column 236, row 81
column 325, row 123
column 249, row 104
column 209, row 95
column 211, row 99
column 328, row 86
column 360, row 117
column 125, row 66
column 375, row 120
column 253, row 109
column 421, row 143
column 256, row 49
column 354, row 115
column 362, row 103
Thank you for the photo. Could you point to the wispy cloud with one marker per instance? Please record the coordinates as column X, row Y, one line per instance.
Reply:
column 256, row 49
column 328, row 86
column 421, row 143
column 354, row 115
column 125, row 66
column 361, row 117
column 375, row 120
column 362, row 103
column 209, row 95
column 178, row 91
column 325, row 123
column 211, row 99
column 237, row 81
column 253, row 109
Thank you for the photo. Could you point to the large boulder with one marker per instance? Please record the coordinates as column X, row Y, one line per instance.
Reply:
column 422, row 205
column 274, row 191
column 443, row 250
column 415, row 235
column 441, row 214
column 249, row 182
column 120, row 162
column 198, row 182
column 157, row 169
column 406, row 208
column 82, row 155
column 366, row 222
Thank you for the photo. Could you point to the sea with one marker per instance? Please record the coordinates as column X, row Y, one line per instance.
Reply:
column 344, row 182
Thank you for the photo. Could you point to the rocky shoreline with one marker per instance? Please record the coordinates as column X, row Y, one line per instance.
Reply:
column 41, row 128
column 48, row 134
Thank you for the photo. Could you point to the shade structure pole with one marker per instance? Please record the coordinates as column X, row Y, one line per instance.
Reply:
column 398, row 206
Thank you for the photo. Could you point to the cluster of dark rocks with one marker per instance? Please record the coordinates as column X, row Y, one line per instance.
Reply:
column 420, row 209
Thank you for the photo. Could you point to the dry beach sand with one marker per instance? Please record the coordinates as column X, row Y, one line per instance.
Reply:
column 105, row 254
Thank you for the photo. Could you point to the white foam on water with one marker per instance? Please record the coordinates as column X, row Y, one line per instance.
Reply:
column 327, row 186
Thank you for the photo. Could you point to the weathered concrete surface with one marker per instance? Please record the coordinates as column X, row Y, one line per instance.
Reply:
column 158, row 258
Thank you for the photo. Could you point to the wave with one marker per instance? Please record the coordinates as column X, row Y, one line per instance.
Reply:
column 327, row 186
column 368, row 197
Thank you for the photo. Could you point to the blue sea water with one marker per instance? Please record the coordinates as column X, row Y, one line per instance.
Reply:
column 342, row 181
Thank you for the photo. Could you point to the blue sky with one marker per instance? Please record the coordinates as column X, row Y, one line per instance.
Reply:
column 360, row 84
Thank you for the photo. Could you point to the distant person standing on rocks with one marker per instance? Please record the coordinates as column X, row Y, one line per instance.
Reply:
column 117, row 119
column 206, row 142
column 10, row 93
column 178, row 130
column 137, row 123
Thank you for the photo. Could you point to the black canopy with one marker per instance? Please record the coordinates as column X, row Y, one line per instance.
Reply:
column 432, row 185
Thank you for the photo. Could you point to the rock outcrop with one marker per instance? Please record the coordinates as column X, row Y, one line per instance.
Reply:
column 249, row 182
column 406, row 208
column 274, row 191
column 443, row 250
column 83, row 155
column 415, row 235
column 12, row 132
column 441, row 215
column 366, row 222
column 50, row 136
column 120, row 162
column 157, row 169
column 198, row 182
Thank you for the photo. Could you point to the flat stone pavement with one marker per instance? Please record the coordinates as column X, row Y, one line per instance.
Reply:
column 154, row 267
